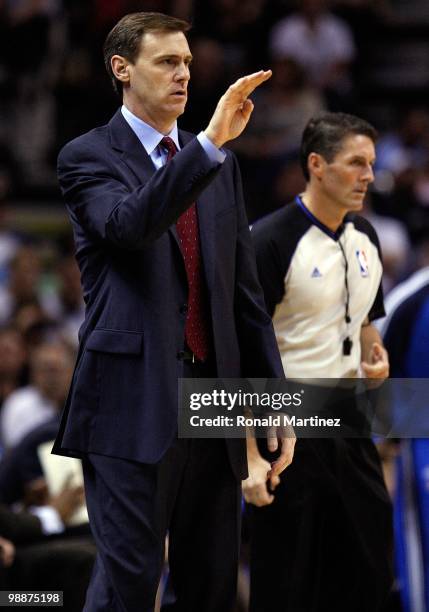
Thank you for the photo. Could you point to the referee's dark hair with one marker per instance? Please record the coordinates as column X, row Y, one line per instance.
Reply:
column 126, row 37
column 324, row 134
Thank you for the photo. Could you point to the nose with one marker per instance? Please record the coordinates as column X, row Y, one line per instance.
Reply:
column 183, row 73
column 368, row 175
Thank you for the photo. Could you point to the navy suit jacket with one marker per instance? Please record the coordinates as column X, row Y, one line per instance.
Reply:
column 124, row 393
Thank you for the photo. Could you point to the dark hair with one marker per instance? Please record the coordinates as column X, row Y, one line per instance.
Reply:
column 325, row 134
column 125, row 38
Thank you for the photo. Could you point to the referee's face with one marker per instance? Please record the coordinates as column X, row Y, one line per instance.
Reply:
column 345, row 179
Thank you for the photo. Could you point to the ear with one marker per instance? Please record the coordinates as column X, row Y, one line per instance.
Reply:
column 120, row 67
column 316, row 165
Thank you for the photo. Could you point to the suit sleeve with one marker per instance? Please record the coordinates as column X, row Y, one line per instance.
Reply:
column 109, row 210
column 259, row 353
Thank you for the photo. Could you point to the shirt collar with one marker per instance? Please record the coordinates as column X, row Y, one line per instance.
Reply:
column 334, row 235
column 148, row 136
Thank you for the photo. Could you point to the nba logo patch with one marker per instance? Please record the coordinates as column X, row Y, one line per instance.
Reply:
column 363, row 263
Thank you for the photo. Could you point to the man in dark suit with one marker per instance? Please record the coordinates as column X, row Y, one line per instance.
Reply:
column 170, row 287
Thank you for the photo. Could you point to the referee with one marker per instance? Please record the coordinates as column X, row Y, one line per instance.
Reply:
column 322, row 542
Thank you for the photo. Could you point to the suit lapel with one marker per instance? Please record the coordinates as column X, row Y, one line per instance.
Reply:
column 133, row 153
column 124, row 140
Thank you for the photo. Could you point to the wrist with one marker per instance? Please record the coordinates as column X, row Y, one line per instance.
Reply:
column 253, row 453
column 216, row 141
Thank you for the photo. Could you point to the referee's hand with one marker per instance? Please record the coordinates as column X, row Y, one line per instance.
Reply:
column 378, row 364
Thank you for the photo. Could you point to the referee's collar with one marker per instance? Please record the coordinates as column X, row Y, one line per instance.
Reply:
column 334, row 235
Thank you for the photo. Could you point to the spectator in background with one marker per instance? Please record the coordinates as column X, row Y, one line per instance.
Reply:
column 23, row 480
column 394, row 243
column 241, row 26
column 25, row 300
column 406, row 336
column 32, row 55
column 34, row 325
column 405, row 328
column 29, row 560
column 406, row 147
column 320, row 42
column 51, row 368
column 68, row 307
column 402, row 173
column 9, row 239
column 23, row 286
column 282, row 110
column 289, row 182
column 12, row 361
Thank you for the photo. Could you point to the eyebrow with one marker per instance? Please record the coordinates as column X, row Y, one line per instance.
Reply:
column 362, row 158
column 173, row 56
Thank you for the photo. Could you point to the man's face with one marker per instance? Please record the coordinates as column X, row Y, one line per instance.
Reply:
column 51, row 371
column 157, row 89
column 345, row 179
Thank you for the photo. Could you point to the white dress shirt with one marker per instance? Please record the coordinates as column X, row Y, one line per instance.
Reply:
column 150, row 139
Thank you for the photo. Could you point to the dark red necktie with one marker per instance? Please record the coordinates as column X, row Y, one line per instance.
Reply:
column 196, row 326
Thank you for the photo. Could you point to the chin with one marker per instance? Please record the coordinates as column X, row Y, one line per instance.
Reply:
column 177, row 109
column 356, row 203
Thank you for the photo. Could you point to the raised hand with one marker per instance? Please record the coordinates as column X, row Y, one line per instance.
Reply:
column 234, row 108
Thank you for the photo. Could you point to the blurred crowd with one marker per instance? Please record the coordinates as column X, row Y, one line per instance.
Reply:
column 324, row 55
column 368, row 57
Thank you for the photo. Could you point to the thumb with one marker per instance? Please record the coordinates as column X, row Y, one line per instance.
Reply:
column 377, row 351
column 274, row 481
column 366, row 367
column 247, row 109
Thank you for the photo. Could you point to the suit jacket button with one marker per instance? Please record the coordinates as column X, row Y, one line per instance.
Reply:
column 183, row 309
column 180, row 355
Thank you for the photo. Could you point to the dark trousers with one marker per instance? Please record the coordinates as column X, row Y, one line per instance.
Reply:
column 325, row 543
column 191, row 493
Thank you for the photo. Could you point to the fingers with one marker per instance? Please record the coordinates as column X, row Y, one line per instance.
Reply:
column 272, row 441
column 234, row 109
column 247, row 109
column 7, row 552
column 378, row 352
column 285, row 458
column 375, row 370
column 274, row 481
column 257, row 494
column 244, row 86
column 250, row 82
column 379, row 362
